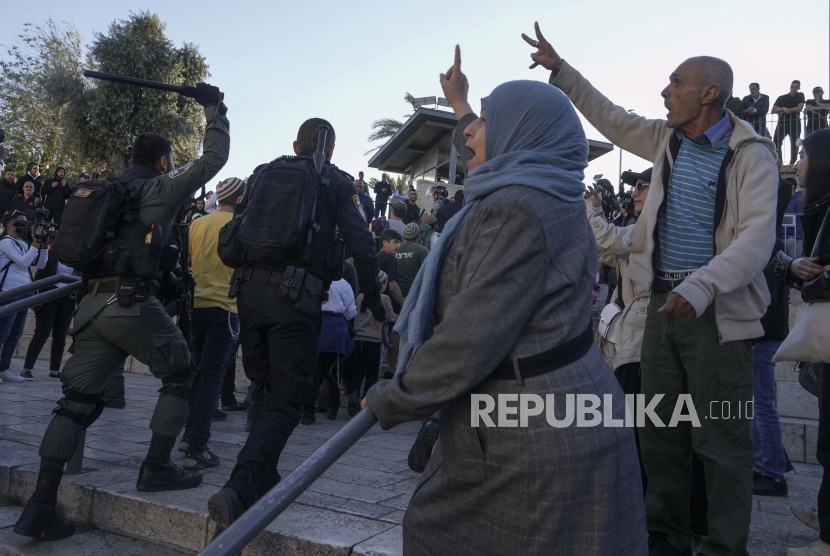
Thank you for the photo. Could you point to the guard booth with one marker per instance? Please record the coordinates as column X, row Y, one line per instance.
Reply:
column 422, row 148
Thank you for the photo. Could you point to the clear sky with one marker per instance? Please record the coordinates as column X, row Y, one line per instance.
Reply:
column 351, row 62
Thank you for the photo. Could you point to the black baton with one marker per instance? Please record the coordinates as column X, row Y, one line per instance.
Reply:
column 184, row 90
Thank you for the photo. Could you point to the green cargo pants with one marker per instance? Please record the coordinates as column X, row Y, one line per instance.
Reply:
column 684, row 356
column 144, row 331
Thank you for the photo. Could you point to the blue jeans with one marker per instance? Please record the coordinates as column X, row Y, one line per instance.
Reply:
column 767, row 446
column 11, row 329
column 213, row 340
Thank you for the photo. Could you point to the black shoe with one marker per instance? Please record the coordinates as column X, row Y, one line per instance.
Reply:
column 224, row 507
column 659, row 546
column 41, row 521
column 767, row 486
column 116, row 404
column 154, row 477
column 219, row 415
column 421, row 451
column 235, row 406
column 332, row 413
column 308, row 418
column 354, row 407
column 194, row 459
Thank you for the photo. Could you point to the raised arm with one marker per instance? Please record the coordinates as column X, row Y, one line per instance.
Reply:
column 633, row 133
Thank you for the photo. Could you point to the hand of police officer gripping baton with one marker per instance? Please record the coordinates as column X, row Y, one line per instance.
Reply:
column 545, row 55
column 208, row 95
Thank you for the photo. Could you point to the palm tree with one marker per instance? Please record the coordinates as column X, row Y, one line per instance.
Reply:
column 387, row 127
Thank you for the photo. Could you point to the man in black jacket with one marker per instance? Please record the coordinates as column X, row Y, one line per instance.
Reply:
column 54, row 193
column 413, row 211
column 448, row 211
column 382, row 192
column 33, row 175
column 8, row 191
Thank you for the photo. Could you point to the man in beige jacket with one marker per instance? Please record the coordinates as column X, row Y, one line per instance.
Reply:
column 700, row 244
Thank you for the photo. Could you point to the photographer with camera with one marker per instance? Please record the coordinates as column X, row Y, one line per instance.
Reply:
column 16, row 256
column 55, row 191
column 28, row 200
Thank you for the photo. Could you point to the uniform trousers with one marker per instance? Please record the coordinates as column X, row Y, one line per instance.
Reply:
column 279, row 353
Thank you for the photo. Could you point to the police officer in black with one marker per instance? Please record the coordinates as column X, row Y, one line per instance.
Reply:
column 279, row 340
column 120, row 315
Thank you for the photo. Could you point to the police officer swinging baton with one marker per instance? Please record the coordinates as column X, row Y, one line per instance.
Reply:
column 184, row 90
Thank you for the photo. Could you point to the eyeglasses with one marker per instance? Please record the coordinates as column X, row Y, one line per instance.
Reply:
column 640, row 187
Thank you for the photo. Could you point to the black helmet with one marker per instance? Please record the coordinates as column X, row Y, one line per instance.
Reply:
column 440, row 189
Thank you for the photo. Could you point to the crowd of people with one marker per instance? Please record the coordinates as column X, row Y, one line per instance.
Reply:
column 700, row 270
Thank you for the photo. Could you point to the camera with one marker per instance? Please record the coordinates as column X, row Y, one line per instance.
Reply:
column 36, row 218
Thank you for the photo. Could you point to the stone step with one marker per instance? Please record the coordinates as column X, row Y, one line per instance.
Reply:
column 86, row 541
column 792, row 400
column 106, row 499
column 800, row 437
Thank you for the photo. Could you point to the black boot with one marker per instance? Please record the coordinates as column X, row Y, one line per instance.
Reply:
column 154, row 477
column 39, row 519
column 421, row 450
column 224, row 508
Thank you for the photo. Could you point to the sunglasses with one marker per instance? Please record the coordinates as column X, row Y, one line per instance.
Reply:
column 640, row 187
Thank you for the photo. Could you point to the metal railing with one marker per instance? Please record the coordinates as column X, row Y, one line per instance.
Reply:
column 793, row 125
column 248, row 525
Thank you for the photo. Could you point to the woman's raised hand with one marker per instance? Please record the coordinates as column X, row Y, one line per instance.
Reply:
column 455, row 86
column 545, row 55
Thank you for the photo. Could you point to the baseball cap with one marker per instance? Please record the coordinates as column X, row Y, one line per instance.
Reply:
column 818, row 90
column 630, row 178
column 83, row 175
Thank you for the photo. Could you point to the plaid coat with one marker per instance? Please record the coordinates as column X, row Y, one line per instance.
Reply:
column 516, row 282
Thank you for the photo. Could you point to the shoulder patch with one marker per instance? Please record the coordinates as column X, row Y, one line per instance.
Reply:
column 359, row 206
column 179, row 171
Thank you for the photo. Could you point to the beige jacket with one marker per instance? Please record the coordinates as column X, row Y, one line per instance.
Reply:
column 745, row 236
column 614, row 246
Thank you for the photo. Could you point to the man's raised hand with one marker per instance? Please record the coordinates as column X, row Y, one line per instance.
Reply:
column 545, row 55
column 455, row 86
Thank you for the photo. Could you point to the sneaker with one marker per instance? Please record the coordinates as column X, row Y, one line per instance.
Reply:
column 818, row 548
column 767, row 486
column 27, row 376
column 308, row 418
column 200, row 459
column 154, row 477
column 10, row 377
column 219, row 415
column 235, row 406
column 354, row 406
column 807, row 517
column 184, row 446
column 659, row 546
column 421, row 451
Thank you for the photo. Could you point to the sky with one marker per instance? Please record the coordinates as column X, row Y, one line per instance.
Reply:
column 279, row 63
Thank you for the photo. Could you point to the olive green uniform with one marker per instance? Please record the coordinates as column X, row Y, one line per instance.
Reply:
column 143, row 330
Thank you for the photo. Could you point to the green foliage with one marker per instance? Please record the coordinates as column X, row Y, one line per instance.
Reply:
column 53, row 115
column 387, row 127
column 39, row 66
column 107, row 117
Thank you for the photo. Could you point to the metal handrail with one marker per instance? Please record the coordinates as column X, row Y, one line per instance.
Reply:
column 248, row 525
column 39, row 284
column 45, row 297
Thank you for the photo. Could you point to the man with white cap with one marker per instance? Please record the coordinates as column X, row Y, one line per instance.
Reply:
column 215, row 323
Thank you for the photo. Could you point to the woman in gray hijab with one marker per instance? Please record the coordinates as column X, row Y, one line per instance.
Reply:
column 501, row 311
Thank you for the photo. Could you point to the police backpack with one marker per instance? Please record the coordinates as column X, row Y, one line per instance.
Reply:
column 279, row 216
column 90, row 218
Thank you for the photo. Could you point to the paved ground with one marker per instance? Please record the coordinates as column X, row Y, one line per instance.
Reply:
column 354, row 508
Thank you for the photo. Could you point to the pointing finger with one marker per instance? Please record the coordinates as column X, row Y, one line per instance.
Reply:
column 533, row 65
column 538, row 32
column 530, row 41
column 457, row 57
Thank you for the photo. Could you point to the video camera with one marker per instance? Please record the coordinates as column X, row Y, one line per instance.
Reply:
column 36, row 218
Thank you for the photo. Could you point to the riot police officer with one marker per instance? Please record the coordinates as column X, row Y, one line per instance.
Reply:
column 137, row 324
column 279, row 336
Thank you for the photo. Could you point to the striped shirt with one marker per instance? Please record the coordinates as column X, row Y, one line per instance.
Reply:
column 686, row 222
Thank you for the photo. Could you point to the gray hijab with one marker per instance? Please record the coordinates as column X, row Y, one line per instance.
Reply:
column 534, row 139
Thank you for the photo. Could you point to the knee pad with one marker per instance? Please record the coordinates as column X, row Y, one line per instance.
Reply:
column 84, row 420
column 181, row 385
